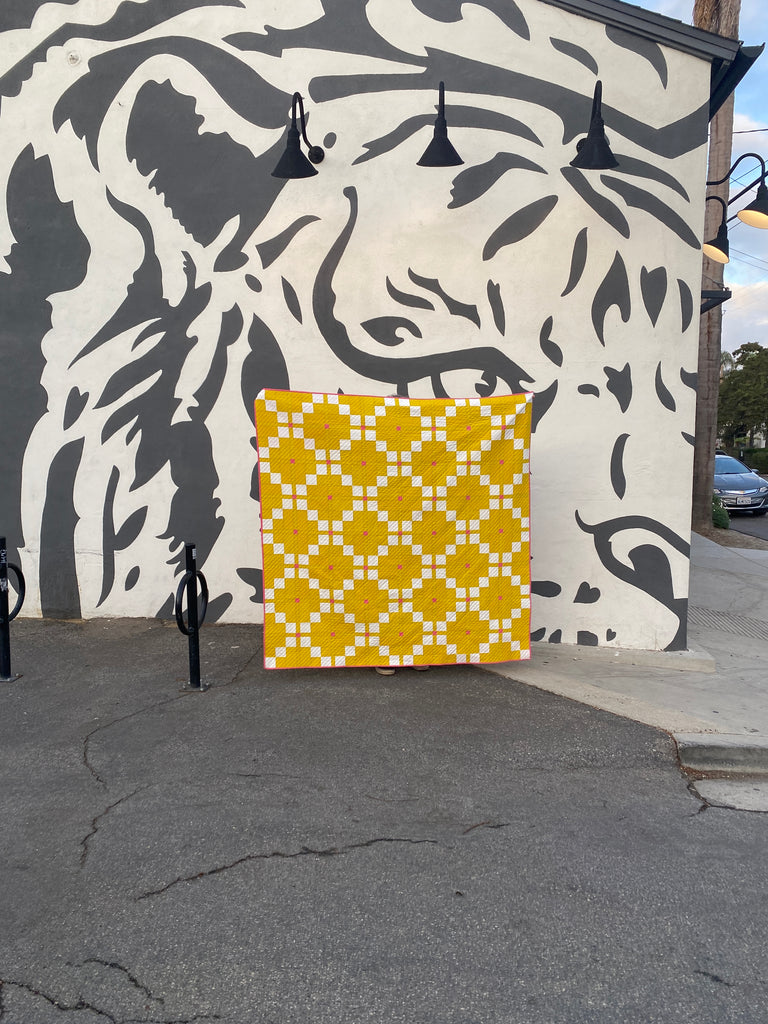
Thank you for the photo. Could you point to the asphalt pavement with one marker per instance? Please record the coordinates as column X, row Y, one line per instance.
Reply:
column 447, row 847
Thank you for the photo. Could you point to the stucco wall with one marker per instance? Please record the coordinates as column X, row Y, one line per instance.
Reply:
column 156, row 277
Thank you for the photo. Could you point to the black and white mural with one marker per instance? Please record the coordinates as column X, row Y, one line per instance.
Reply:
column 154, row 277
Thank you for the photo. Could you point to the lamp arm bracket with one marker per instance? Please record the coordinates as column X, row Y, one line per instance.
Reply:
column 744, row 156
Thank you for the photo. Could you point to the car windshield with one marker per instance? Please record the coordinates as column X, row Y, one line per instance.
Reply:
column 725, row 464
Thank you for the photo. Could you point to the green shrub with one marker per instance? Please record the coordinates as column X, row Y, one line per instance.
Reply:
column 719, row 514
column 757, row 459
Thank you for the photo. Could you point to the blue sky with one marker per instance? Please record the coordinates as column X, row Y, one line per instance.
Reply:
column 745, row 316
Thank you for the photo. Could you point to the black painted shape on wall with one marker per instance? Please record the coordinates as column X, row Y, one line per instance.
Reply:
column 395, row 371
column 686, row 304
column 132, row 578
column 556, row 636
column 253, row 283
column 496, row 303
column 85, row 103
column 542, row 402
column 551, row 350
column 263, row 367
column 50, row 255
column 588, row 389
column 291, row 299
column 618, row 478
column 576, row 52
column 253, row 578
column 149, row 414
column 602, row 206
column 545, row 588
column 619, row 383
column 538, row 634
column 586, row 639
column 129, row 20
column 144, row 300
column 487, row 385
column 406, row 299
column 586, row 594
column 653, row 285
column 650, row 571
column 519, row 225
column 383, row 329
column 644, row 48
column 640, row 199
column 475, row 181
column 205, row 179
column 578, row 262
column 217, row 605
column 76, row 403
column 642, row 169
column 663, row 392
column 454, row 306
column 116, row 540
column 21, row 13
column 342, row 28
column 688, row 437
column 506, row 11
column 229, row 331
column 272, row 248
column 613, row 291
column 691, row 380
column 461, row 117
column 193, row 513
column 59, row 592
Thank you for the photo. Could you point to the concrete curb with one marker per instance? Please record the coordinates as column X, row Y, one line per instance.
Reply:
column 722, row 752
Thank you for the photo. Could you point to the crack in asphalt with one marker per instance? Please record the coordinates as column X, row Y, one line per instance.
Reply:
column 486, row 824
column 95, row 826
column 114, row 965
column 305, row 851
column 116, row 721
column 81, row 1004
column 715, row 977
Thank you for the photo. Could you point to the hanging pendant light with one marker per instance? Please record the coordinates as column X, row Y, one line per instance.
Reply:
column 440, row 152
column 717, row 248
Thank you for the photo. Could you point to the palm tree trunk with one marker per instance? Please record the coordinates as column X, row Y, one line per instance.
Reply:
column 720, row 16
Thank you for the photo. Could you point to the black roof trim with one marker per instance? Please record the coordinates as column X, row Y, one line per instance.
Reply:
column 661, row 29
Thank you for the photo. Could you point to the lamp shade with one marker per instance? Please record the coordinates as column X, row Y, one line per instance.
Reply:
column 593, row 153
column 756, row 214
column 717, row 249
column 440, row 152
column 293, row 163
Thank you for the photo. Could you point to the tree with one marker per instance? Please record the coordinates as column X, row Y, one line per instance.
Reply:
column 743, row 405
column 721, row 16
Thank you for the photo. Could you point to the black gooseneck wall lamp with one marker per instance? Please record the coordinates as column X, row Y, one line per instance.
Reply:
column 440, row 152
column 755, row 214
column 717, row 248
column 293, row 163
column 593, row 152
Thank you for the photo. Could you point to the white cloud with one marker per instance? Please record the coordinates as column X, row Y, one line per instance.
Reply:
column 744, row 123
column 745, row 316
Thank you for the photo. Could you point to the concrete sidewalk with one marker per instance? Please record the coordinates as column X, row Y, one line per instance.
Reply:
column 713, row 698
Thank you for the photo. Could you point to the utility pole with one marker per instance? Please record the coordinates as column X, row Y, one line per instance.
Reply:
column 721, row 16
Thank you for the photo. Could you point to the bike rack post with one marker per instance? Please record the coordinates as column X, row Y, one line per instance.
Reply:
column 191, row 629
column 6, row 616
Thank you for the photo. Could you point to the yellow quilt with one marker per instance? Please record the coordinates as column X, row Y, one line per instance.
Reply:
column 395, row 531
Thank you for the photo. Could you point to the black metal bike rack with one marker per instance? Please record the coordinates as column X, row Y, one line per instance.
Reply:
column 6, row 616
column 195, row 619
